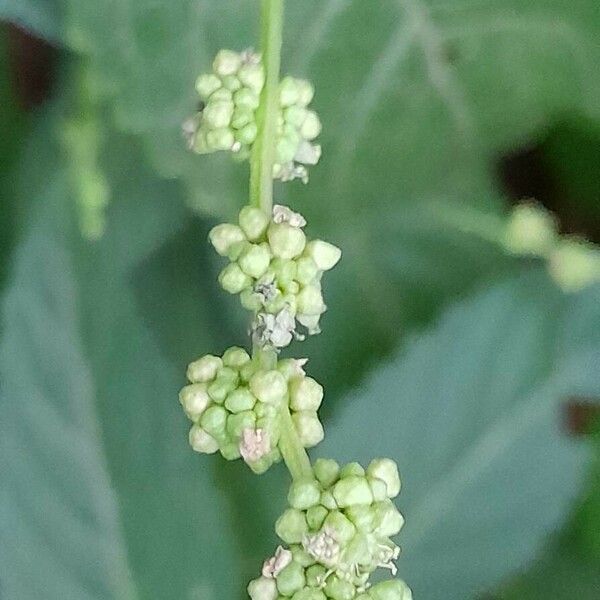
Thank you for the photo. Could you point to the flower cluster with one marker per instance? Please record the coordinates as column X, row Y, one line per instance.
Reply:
column 337, row 530
column 532, row 231
column 276, row 272
column 235, row 405
column 230, row 97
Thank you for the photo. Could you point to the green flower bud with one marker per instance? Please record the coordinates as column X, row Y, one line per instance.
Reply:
column 305, row 394
column 305, row 91
column 226, row 63
column 285, row 270
column 207, row 84
column 291, row 526
column 291, row 579
column 378, row 488
column 220, row 139
column 233, row 279
column 328, row 501
column 204, row 369
column 309, row 594
column 286, row 241
column 352, row 490
column 343, row 527
column 388, row 521
column 327, row 471
column 358, row 551
column 325, row 255
column 230, row 451
column 253, row 77
column 394, row 589
column 292, row 367
column 240, row 421
column 295, row 115
column 214, row 420
column 254, row 260
column 247, row 134
column 531, row 230
column 269, row 386
column 240, row 400
column 218, row 114
column 574, row 265
column 316, row 575
column 242, row 116
column 311, row 127
column 310, row 301
column 194, row 399
column 250, row 300
column 200, row 441
column 386, row 470
column 309, row 428
column 352, row 468
column 301, row 556
column 269, row 411
column 315, row 516
column 285, row 149
column 362, row 515
column 224, row 236
column 220, row 388
column 222, row 95
column 306, row 270
column 339, row 589
column 246, row 98
column 304, row 494
column 262, row 588
column 288, row 92
column 235, row 357
column 231, row 82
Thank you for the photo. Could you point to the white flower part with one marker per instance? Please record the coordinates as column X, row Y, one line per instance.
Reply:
column 290, row 172
column 387, row 556
column 254, row 444
column 298, row 366
column 283, row 214
column 250, row 57
column 266, row 290
column 277, row 330
column 189, row 128
column 323, row 547
column 274, row 565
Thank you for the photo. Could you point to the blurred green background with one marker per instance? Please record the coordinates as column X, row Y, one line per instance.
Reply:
column 467, row 365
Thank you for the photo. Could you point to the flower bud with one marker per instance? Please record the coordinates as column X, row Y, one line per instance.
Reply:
column 315, row 516
column 305, row 394
column 574, row 265
column 240, row 400
column 204, row 369
column 207, row 84
column 288, row 91
column 254, row 260
column 227, row 62
column 378, row 488
column 214, row 420
column 306, row 270
column 309, row 428
column 269, row 386
column 200, row 441
column 220, row 388
column 325, row 255
column 254, row 222
column 233, row 279
column 242, row 116
column 311, row 127
column 231, row 83
column 224, row 236
column 328, row 501
column 194, row 399
column 339, row 589
column 305, row 91
column 362, row 515
column 238, row 422
column 304, row 494
column 311, row 322
column 252, row 76
column 352, row 490
column 343, row 527
column 218, row 114
column 295, row 115
column 220, row 139
column 531, row 230
column 230, row 451
column 247, row 134
column 250, row 300
column 291, row 579
column 394, row 589
column 286, row 148
column 310, row 301
column 222, row 95
column 352, row 468
column 326, row 471
column 388, row 520
column 263, row 588
column 307, row 153
column 246, row 98
column 291, row 526
column 235, row 357
column 386, row 470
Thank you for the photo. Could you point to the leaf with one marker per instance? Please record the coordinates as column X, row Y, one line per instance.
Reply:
column 471, row 411
column 61, row 535
column 42, row 17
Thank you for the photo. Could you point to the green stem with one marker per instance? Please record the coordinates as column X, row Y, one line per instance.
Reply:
column 261, row 196
column 263, row 150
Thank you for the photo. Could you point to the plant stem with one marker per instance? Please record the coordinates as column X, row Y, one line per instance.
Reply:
column 263, row 151
column 261, row 196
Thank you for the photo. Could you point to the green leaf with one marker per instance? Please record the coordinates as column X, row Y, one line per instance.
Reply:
column 61, row 535
column 42, row 17
column 472, row 413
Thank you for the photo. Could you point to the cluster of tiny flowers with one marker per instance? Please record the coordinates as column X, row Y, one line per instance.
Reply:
column 235, row 405
column 337, row 531
column 276, row 272
column 230, row 97
column 573, row 263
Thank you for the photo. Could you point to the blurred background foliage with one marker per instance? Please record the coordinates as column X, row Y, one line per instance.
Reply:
column 469, row 366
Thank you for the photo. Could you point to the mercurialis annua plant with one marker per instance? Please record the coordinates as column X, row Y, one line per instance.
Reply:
column 252, row 404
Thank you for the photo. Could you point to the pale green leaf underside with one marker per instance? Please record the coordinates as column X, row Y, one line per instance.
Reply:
column 472, row 413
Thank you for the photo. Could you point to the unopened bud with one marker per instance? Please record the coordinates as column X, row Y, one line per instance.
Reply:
column 393, row 589
column 305, row 394
column 263, row 588
column 311, row 127
column 254, row 260
column 288, row 91
column 285, row 240
column 220, row 139
column 291, row 579
column 233, row 279
column 352, row 490
column 200, row 441
column 386, row 470
column 252, row 76
column 291, row 526
column 304, row 494
column 325, row 255
column 309, row 428
column 204, row 369
column 224, row 236
column 207, row 84
column 218, row 114
column 327, row 471
column 194, row 399
column 269, row 386
column 227, row 62
column 310, row 301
